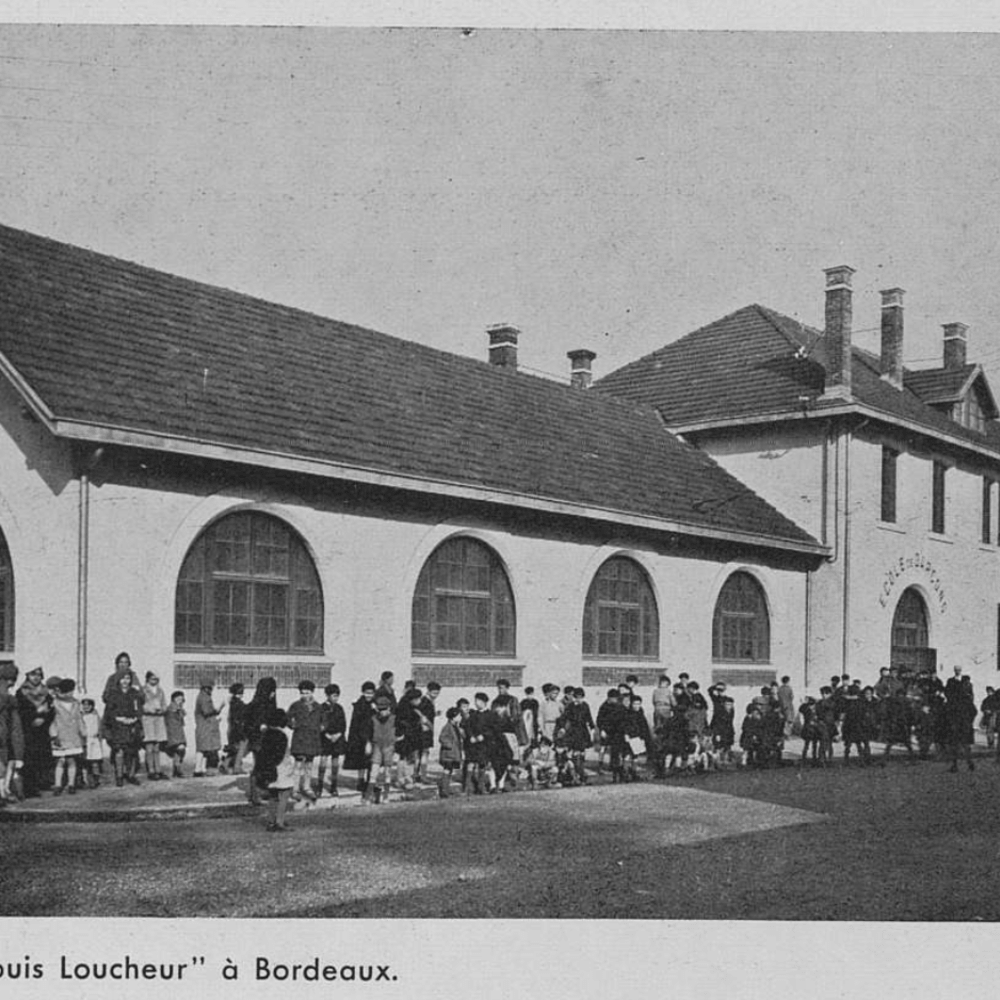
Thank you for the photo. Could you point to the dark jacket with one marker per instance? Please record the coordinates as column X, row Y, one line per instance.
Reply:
column 305, row 719
column 124, row 705
column 333, row 722
column 359, row 735
column 273, row 744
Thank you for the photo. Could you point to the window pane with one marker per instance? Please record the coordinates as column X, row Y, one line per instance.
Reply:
column 741, row 627
column 620, row 616
column 260, row 585
column 463, row 603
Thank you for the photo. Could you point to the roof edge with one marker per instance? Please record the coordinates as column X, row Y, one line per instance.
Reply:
column 844, row 409
column 101, row 434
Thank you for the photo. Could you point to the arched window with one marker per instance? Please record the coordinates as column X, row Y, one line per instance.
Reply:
column 463, row 602
column 620, row 617
column 249, row 583
column 909, row 626
column 741, row 629
column 6, row 598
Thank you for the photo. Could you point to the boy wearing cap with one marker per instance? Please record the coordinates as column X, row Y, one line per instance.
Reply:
column 333, row 725
column 11, row 733
column 305, row 719
column 477, row 729
column 357, row 756
column 383, row 749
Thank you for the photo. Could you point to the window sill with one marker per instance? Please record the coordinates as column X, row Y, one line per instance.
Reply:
column 890, row 526
column 186, row 653
column 933, row 536
column 455, row 659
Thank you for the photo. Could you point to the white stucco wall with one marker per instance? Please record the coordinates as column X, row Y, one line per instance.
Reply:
column 368, row 564
column 853, row 595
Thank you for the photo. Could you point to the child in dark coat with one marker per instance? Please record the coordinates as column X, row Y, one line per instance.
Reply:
column 274, row 771
column 450, row 755
column 334, row 739
column 306, row 723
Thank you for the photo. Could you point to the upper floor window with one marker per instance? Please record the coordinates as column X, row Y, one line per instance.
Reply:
column 249, row 583
column 889, row 460
column 6, row 598
column 741, row 627
column 620, row 616
column 969, row 413
column 938, row 498
column 463, row 603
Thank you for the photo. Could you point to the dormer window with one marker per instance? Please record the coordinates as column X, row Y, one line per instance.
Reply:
column 969, row 413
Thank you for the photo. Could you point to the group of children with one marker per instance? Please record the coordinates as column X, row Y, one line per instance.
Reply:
column 51, row 740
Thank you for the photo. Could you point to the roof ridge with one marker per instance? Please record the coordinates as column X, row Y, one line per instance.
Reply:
column 344, row 326
column 772, row 315
column 670, row 345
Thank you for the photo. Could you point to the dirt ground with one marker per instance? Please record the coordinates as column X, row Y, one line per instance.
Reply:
column 905, row 842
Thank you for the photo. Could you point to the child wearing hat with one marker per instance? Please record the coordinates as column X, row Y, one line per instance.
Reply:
column 305, row 719
column 357, row 756
column 11, row 734
column 67, row 734
column 450, row 756
column 383, row 749
column 176, row 745
column 334, row 730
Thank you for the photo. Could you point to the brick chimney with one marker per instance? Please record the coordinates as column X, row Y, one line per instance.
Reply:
column 503, row 345
column 579, row 371
column 891, row 364
column 838, row 331
column 956, row 343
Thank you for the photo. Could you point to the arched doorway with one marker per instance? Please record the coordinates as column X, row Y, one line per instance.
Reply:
column 910, row 636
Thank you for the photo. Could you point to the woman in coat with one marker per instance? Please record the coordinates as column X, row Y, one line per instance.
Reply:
column 34, row 704
column 207, row 734
column 359, row 735
column 123, row 727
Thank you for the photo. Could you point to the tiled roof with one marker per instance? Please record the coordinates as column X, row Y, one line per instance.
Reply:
column 756, row 362
column 111, row 344
column 938, row 385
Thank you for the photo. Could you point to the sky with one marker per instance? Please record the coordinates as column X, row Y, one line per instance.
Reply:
column 602, row 189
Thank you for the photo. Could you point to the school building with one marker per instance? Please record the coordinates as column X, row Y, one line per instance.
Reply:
column 894, row 471
column 225, row 486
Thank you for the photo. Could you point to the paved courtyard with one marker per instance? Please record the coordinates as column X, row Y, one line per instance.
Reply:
column 905, row 842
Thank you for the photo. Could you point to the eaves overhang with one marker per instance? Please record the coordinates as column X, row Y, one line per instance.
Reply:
column 838, row 410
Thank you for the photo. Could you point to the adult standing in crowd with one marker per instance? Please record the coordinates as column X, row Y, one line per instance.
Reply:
column 207, row 734
column 123, row 665
column 11, row 733
column 34, row 704
column 786, row 701
column 960, row 714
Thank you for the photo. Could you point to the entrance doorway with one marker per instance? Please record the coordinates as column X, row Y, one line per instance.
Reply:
column 910, row 652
